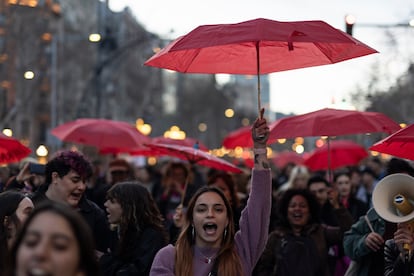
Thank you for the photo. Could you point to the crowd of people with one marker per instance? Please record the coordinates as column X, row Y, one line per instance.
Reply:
column 72, row 219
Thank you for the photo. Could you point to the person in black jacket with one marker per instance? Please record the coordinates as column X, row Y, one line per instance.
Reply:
column 66, row 175
column 398, row 260
column 141, row 231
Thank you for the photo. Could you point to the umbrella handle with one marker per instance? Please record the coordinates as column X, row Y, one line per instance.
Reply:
column 261, row 112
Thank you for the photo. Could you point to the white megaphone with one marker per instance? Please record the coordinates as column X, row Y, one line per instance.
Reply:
column 393, row 200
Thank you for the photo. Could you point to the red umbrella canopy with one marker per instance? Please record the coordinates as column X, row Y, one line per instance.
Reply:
column 11, row 150
column 336, row 154
column 399, row 144
column 241, row 137
column 194, row 156
column 287, row 156
column 331, row 122
column 188, row 141
column 110, row 135
column 258, row 46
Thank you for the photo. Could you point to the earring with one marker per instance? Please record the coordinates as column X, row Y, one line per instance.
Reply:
column 192, row 232
column 225, row 233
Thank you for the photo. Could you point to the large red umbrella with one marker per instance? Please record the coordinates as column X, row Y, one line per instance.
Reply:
column 331, row 122
column 399, row 144
column 338, row 153
column 322, row 122
column 11, row 150
column 258, row 46
column 109, row 135
column 194, row 156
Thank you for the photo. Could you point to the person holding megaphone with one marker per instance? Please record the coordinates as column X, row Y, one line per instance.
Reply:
column 398, row 252
column 382, row 227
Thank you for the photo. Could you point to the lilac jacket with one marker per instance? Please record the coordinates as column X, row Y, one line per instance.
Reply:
column 250, row 240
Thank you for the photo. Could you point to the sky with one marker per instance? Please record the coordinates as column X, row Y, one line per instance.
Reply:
column 302, row 90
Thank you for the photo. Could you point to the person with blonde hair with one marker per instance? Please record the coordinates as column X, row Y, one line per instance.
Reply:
column 298, row 179
column 208, row 244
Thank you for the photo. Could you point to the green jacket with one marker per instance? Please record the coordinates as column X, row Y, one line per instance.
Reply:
column 354, row 240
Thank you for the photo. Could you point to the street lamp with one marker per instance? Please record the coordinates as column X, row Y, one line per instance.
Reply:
column 349, row 23
column 229, row 113
column 175, row 133
column 143, row 127
column 8, row 132
column 42, row 153
column 29, row 75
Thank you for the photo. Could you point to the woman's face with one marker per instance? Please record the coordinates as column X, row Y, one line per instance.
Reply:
column 49, row 247
column 114, row 210
column 298, row 212
column 343, row 183
column 300, row 181
column 209, row 220
column 24, row 208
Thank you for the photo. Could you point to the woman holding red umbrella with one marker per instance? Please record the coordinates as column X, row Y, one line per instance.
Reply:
column 208, row 244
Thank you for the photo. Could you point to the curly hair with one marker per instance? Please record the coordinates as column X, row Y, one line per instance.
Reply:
column 284, row 205
column 67, row 160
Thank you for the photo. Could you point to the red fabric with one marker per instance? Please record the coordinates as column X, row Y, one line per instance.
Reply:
column 108, row 135
column 239, row 138
column 194, row 156
column 336, row 154
column 11, row 150
column 188, row 142
column 331, row 122
column 399, row 144
column 283, row 158
column 274, row 45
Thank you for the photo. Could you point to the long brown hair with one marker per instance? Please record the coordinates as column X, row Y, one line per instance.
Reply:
column 139, row 211
column 229, row 261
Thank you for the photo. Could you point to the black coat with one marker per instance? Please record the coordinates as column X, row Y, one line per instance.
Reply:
column 138, row 260
column 393, row 263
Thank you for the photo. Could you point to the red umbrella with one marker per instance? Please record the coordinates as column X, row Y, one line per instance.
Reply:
column 399, row 144
column 331, row 122
column 258, row 46
column 323, row 122
column 241, row 137
column 189, row 142
column 108, row 135
column 287, row 156
column 194, row 156
column 11, row 150
column 336, row 154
